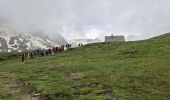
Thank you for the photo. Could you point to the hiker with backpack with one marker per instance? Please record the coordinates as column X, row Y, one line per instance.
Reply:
column 23, row 57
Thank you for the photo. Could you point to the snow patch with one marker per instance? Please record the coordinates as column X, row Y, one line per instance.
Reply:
column 21, row 39
column 27, row 40
column 76, row 42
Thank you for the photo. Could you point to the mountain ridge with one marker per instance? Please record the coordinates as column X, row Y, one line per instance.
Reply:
column 25, row 41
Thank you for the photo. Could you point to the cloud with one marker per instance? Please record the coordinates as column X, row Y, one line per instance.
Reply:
column 88, row 18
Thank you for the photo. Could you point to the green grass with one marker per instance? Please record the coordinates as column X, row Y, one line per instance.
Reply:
column 127, row 71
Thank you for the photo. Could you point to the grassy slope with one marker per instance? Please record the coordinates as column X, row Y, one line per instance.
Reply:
column 131, row 70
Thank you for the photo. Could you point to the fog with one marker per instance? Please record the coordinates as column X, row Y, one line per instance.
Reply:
column 73, row 19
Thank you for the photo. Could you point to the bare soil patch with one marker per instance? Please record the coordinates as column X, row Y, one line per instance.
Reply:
column 75, row 76
column 11, row 86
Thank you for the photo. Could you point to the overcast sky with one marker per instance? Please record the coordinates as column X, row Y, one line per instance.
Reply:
column 88, row 18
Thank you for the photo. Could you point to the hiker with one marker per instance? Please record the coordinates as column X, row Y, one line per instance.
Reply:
column 49, row 51
column 28, row 55
column 70, row 45
column 31, row 55
column 46, row 52
column 67, row 46
column 39, row 52
column 42, row 53
column 23, row 56
column 52, row 51
column 62, row 47
column 57, row 49
column 36, row 52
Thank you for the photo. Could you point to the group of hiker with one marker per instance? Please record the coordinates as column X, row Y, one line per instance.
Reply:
column 44, row 52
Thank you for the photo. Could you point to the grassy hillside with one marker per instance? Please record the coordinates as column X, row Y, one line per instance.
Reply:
column 117, row 71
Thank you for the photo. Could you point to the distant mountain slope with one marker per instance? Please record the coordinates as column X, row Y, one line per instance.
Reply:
column 23, row 41
column 57, row 38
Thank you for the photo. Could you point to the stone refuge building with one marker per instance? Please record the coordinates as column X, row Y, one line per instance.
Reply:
column 112, row 38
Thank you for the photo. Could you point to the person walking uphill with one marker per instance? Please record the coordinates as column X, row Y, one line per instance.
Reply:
column 23, row 57
column 31, row 55
column 28, row 55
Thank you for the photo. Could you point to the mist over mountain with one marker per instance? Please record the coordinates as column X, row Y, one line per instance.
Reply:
column 88, row 19
column 56, row 38
column 61, row 20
